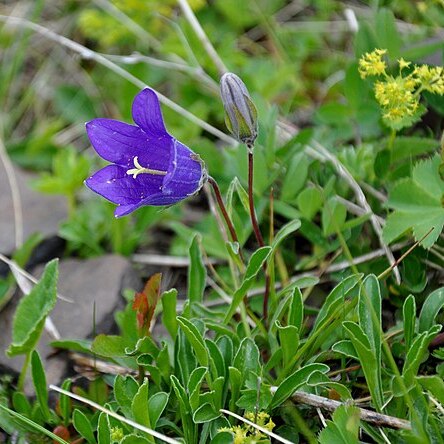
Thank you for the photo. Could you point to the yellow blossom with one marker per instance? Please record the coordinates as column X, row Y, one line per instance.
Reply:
column 371, row 63
column 403, row 63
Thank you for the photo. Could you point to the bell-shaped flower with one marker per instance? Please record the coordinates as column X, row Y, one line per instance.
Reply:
column 149, row 166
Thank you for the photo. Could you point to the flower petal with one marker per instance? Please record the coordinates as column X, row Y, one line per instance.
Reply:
column 185, row 172
column 147, row 114
column 119, row 142
column 114, row 184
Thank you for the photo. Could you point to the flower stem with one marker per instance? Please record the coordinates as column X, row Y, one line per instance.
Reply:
column 224, row 212
column 257, row 231
column 22, row 376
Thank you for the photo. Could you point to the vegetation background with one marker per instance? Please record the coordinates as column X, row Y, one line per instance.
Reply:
column 348, row 190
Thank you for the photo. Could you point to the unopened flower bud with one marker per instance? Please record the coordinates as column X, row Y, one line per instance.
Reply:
column 240, row 112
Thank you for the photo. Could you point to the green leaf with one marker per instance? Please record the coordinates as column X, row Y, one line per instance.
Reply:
column 409, row 147
column 109, row 346
column 415, row 356
column 246, row 359
column 435, row 385
column 345, row 347
column 223, row 438
column 196, row 378
column 169, row 302
column 197, row 273
column 296, row 311
column 416, row 202
column 79, row 345
column 336, row 297
column 103, row 430
column 33, row 425
column 290, row 384
column 156, row 405
column 295, row 177
column 39, row 380
column 235, row 378
column 196, row 340
column 387, row 32
column 205, row 413
column 83, row 426
column 289, row 341
column 140, row 409
column 430, row 309
column 409, row 318
column 29, row 318
column 334, row 214
column 254, row 265
column 369, row 310
column 285, row 231
column 369, row 361
column 125, row 389
column 310, row 202
column 344, row 427
column 21, row 404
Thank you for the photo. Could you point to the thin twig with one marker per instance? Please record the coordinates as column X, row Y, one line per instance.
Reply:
column 369, row 416
column 114, row 415
column 360, row 197
column 201, row 35
column 88, row 54
column 400, row 259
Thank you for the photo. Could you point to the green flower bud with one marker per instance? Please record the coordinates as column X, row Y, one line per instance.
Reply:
column 240, row 112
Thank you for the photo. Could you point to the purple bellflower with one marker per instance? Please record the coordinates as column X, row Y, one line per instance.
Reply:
column 149, row 166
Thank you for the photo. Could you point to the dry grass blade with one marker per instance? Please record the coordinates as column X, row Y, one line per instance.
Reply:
column 88, row 54
column 257, row 427
column 115, row 415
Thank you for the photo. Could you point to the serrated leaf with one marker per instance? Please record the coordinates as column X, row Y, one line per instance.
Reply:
column 344, row 427
column 417, row 205
column 31, row 312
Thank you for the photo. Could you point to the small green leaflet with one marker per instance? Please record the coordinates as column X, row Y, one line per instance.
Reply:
column 417, row 204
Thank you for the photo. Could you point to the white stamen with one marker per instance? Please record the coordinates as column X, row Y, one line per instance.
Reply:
column 139, row 169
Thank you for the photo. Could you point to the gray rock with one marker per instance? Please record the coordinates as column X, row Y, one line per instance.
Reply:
column 41, row 212
column 98, row 281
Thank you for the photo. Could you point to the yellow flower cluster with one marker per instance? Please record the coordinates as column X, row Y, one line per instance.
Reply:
column 399, row 96
column 245, row 434
column 116, row 434
column 371, row 63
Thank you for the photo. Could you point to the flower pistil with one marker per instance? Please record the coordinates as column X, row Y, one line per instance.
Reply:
column 139, row 169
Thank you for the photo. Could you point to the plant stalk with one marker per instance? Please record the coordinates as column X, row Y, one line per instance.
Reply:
column 224, row 212
column 257, row 231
